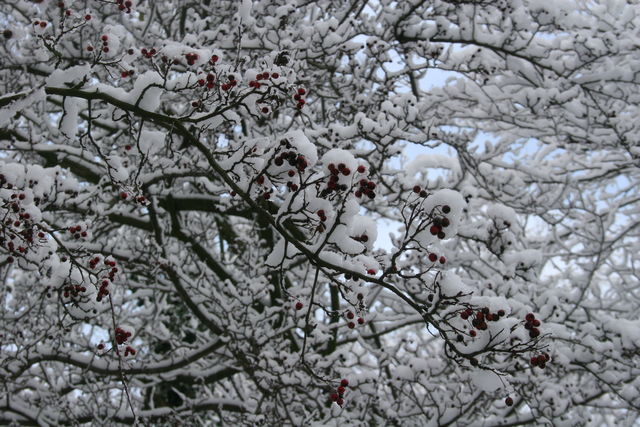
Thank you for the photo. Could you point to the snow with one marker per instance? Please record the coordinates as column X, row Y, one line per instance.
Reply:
column 69, row 119
column 486, row 381
column 146, row 91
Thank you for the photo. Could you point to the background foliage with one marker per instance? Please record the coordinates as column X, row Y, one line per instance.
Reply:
column 193, row 196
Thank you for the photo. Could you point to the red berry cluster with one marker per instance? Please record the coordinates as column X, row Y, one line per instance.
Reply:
column 208, row 81
column 105, row 43
column 261, row 76
column 127, row 73
column 418, row 190
column 338, row 395
column 439, row 223
column 434, row 257
column 362, row 238
column 20, row 226
column 191, row 58
column 125, row 4
column 350, row 315
column 122, row 336
column 366, row 187
column 77, row 231
column 73, row 290
column 129, row 351
column 109, row 277
column 541, row 360
column 41, row 24
column 147, row 53
column 231, row 83
column 481, row 318
column 298, row 97
column 293, row 159
column 61, row 6
column 531, row 324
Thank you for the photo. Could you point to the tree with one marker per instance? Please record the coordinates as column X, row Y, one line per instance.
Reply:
column 191, row 195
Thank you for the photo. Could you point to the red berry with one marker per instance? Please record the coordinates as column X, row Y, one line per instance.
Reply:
column 361, row 169
column 299, row 305
column 104, row 38
column 417, row 189
column 508, row 401
column 434, row 230
column 530, row 317
column 275, row 75
column 123, row 195
column 350, row 315
column 87, row 17
column 340, row 401
column 442, row 260
column 341, row 390
column 334, row 397
column 446, row 209
column 472, row 333
column 433, row 257
column 344, row 383
column 371, row 271
column 301, row 91
column 100, row 346
column 351, row 325
column 360, row 321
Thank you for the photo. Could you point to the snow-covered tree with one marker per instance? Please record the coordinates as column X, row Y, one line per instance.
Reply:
column 195, row 199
